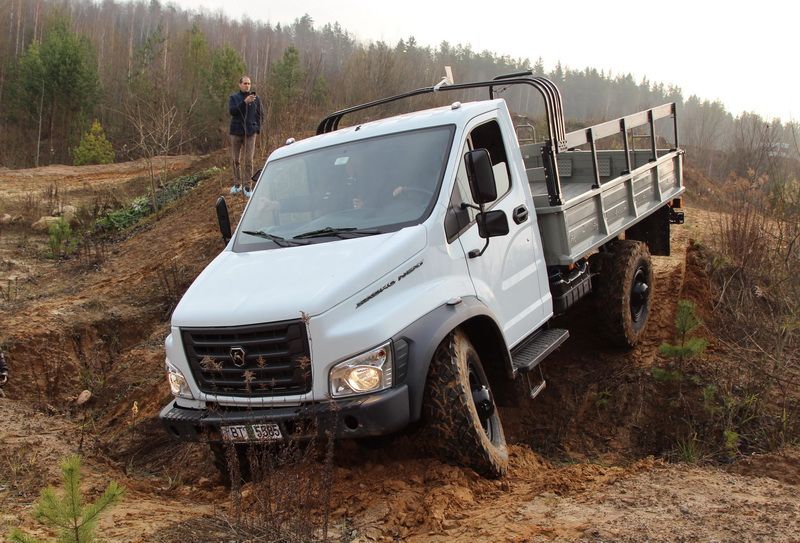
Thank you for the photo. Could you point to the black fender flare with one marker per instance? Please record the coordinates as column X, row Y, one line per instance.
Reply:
column 424, row 335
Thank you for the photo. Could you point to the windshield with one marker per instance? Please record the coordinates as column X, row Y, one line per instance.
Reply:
column 368, row 186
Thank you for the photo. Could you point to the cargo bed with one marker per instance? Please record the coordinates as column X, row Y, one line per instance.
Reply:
column 594, row 196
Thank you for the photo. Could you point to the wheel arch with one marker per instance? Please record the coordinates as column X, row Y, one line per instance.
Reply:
column 424, row 336
column 487, row 338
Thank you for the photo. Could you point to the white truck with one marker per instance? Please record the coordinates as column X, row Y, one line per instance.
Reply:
column 409, row 269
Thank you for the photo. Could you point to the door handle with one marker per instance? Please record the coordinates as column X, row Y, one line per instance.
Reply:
column 520, row 214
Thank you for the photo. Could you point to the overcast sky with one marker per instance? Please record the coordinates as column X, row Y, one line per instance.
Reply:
column 742, row 53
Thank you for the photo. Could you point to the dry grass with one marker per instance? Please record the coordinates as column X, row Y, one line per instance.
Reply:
column 288, row 496
column 755, row 255
column 173, row 280
column 20, row 471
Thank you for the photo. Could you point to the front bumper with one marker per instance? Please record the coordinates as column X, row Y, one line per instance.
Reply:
column 370, row 415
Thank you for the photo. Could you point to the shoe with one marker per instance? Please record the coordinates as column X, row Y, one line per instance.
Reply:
column 236, row 189
column 247, row 193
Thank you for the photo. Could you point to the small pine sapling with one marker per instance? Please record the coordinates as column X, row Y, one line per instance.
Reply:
column 687, row 346
column 61, row 239
column 94, row 147
column 74, row 521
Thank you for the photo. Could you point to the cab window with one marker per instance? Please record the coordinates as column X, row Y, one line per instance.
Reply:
column 489, row 137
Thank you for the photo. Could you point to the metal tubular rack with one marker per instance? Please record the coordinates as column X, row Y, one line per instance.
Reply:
column 558, row 140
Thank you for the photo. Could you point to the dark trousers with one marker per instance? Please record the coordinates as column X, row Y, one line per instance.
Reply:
column 241, row 176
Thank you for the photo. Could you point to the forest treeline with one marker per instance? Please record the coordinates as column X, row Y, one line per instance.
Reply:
column 157, row 78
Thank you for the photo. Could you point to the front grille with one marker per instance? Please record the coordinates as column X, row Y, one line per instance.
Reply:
column 256, row 360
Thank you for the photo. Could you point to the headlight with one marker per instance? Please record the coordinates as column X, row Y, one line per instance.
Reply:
column 177, row 382
column 368, row 372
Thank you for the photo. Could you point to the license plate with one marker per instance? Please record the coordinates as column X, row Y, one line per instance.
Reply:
column 252, row 432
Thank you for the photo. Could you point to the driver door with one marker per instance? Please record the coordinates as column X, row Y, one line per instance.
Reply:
column 507, row 276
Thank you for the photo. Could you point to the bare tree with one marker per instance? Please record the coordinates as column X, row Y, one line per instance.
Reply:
column 794, row 129
column 160, row 129
column 750, row 147
column 705, row 124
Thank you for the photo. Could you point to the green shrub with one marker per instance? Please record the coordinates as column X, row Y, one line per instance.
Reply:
column 141, row 207
column 688, row 448
column 686, row 321
column 125, row 217
column 603, row 398
column 61, row 239
column 664, row 375
column 710, row 399
column 732, row 441
column 94, row 148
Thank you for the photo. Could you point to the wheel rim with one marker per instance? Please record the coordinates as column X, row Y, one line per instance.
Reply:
column 482, row 400
column 640, row 292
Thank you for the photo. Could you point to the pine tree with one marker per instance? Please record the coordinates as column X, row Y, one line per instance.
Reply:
column 227, row 67
column 94, row 148
column 286, row 80
column 58, row 83
column 30, row 91
column 74, row 521
column 686, row 321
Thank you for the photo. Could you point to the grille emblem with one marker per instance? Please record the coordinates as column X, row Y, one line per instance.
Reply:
column 237, row 356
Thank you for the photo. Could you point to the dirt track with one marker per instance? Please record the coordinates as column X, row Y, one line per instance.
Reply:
column 581, row 468
column 18, row 183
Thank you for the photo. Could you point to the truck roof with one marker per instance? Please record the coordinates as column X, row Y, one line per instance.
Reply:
column 399, row 123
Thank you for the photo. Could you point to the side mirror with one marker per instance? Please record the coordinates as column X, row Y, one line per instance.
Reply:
column 481, row 176
column 223, row 219
column 490, row 224
column 256, row 175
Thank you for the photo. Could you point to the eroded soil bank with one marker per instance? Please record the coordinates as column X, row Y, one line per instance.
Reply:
column 588, row 458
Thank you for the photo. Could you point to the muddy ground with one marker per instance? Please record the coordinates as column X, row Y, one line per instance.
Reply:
column 589, row 460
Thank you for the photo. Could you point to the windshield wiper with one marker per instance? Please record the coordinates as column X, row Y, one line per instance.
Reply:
column 279, row 241
column 344, row 233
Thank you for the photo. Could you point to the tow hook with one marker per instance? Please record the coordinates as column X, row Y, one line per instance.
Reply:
column 482, row 399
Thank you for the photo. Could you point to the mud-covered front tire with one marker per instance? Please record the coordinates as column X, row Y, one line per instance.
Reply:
column 623, row 292
column 461, row 417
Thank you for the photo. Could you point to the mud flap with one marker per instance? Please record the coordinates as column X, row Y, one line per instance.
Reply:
column 654, row 231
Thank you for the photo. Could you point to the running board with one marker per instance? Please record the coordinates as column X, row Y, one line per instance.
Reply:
column 529, row 354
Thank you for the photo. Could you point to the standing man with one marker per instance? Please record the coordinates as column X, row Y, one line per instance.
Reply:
column 246, row 115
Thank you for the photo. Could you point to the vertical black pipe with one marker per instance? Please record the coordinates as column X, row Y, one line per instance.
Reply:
column 551, row 175
column 675, row 123
column 624, row 129
column 652, row 134
column 590, row 137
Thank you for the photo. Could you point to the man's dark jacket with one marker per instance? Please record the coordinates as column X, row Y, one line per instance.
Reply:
column 243, row 114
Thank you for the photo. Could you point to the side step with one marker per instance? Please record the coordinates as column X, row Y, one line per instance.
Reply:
column 528, row 354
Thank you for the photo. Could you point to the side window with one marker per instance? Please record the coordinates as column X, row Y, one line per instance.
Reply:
column 462, row 185
column 489, row 137
column 458, row 218
column 485, row 136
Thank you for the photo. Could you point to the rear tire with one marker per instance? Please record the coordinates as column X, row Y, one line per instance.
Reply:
column 461, row 415
column 623, row 292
